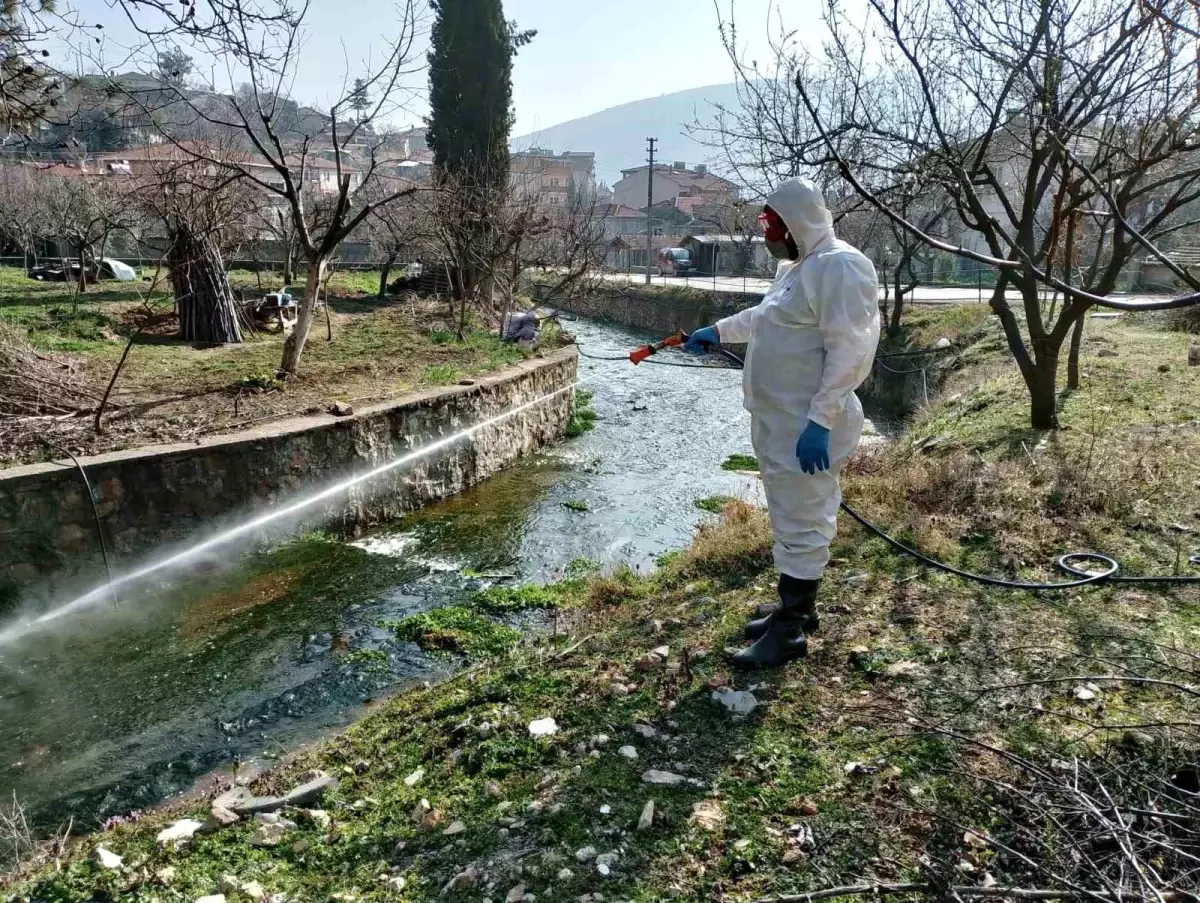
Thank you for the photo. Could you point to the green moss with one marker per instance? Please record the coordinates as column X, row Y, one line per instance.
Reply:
column 581, row 568
column 583, row 417
column 504, row 599
column 454, row 629
column 371, row 659
column 740, row 462
column 714, row 504
column 577, row 505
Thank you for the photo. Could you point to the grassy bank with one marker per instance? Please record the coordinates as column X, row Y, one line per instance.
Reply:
column 941, row 733
column 173, row 391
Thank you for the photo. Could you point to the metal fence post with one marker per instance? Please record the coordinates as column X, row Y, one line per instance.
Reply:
column 979, row 282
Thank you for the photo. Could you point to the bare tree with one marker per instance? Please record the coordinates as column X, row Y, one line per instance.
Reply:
column 83, row 210
column 204, row 211
column 395, row 229
column 919, row 201
column 568, row 247
column 22, row 207
column 1005, row 107
column 301, row 159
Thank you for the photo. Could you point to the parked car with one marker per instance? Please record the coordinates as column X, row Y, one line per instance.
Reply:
column 676, row 262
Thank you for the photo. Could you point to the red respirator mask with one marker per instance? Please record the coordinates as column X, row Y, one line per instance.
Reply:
column 774, row 228
column 775, row 231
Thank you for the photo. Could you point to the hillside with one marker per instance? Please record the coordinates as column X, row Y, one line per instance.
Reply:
column 618, row 134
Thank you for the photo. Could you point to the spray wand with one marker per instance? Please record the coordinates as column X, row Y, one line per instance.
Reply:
column 675, row 341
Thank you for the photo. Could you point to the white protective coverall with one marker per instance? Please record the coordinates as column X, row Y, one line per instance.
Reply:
column 812, row 341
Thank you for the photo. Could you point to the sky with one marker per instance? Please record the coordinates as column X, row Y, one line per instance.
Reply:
column 586, row 57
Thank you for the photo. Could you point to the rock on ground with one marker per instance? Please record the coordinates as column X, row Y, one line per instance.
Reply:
column 737, row 702
column 646, row 820
column 464, row 880
column 654, row 776
column 708, row 815
column 268, row 835
column 106, row 858
column 179, row 833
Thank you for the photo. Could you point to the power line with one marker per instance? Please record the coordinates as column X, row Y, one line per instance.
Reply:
column 651, row 142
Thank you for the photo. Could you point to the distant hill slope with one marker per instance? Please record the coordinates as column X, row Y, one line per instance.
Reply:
column 618, row 134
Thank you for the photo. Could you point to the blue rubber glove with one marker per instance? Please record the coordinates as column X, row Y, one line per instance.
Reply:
column 813, row 448
column 702, row 340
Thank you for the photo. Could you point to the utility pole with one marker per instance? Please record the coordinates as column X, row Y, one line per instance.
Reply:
column 649, row 205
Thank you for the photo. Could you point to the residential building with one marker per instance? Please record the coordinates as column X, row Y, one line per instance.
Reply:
column 541, row 177
column 620, row 220
column 671, row 182
column 551, row 180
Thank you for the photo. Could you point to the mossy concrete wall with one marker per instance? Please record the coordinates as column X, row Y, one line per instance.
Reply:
column 149, row 497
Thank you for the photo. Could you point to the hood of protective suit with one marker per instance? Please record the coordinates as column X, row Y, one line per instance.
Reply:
column 801, row 206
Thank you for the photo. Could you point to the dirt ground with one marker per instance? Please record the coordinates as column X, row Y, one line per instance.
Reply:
column 173, row 391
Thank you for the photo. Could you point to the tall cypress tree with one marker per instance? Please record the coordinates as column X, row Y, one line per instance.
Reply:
column 471, row 115
column 470, row 89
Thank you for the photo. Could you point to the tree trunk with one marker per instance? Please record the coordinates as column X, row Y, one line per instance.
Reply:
column 82, row 268
column 1043, row 393
column 897, row 305
column 1040, row 373
column 207, row 311
column 383, row 275
column 1073, row 356
column 1077, row 334
column 293, row 348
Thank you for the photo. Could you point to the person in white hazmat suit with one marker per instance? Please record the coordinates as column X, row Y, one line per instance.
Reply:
column 811, row 343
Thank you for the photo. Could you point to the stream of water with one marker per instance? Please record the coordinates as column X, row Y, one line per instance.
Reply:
column 116, row 709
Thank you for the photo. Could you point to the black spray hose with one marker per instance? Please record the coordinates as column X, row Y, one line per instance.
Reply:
column 1065, row 563
column 1110, row 574
column 87, row 486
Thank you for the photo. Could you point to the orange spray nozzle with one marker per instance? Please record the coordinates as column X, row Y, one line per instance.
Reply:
column 636, row 357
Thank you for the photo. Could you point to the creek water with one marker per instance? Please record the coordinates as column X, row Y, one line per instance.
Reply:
column 123, row 707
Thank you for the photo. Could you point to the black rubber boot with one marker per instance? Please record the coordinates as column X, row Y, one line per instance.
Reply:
column 784, row 638
column 787, row 586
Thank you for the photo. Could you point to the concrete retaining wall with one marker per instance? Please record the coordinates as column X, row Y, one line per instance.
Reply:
column 658, row 311
column 149, row 497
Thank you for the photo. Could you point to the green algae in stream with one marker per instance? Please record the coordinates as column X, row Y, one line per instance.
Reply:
column 455, row 629
column 713, row 504
column 740, row 462
column 583, row 415
column 505, row 599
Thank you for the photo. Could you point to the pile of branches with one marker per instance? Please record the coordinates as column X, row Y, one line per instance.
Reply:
column 1098, row 800
column 36, row 384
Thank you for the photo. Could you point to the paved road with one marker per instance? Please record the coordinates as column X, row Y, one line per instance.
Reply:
column 923, row 294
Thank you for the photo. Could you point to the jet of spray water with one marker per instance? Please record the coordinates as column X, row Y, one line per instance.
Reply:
column 102, row 593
